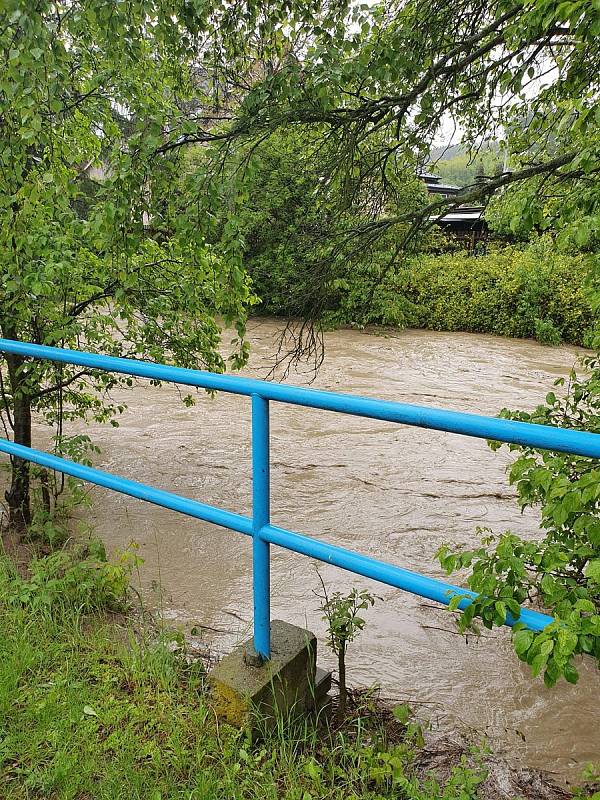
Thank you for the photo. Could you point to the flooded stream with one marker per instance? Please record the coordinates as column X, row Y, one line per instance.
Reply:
column 392, row 492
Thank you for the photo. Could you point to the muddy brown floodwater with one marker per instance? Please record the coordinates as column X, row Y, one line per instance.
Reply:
column 389, row 491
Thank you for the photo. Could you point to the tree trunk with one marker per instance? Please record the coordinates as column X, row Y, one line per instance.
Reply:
column 17, row 497
column 342, row 679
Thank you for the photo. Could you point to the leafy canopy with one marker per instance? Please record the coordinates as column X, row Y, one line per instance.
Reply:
column 89, row 255
column 386, row 78
column 293, row 227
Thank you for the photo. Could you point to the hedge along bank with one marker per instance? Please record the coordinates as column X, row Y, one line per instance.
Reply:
column 534, row 292
column 523, row 292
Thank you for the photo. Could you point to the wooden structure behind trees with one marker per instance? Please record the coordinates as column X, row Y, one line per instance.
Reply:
column 465, row 224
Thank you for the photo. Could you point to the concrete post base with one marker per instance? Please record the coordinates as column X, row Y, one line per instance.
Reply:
column 243, row 690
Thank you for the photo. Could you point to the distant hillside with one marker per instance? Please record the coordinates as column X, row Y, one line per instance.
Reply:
column 456, row 166
column 445, row 152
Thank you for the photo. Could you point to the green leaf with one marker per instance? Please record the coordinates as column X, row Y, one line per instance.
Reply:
column 567, row 641
column 592, row 571
column 500, row 608
column 522, row 641
column 402, row 713
column 538, row 663
column 455, row 602
column 547, row 647
column 570, row 673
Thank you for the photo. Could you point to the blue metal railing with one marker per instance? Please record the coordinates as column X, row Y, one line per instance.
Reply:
column 259, row 526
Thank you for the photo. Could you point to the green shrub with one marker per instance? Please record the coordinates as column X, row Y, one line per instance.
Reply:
column 531, row 292
column 559, row 570
column 80, row 577
column 546, row 331
column 298, row 227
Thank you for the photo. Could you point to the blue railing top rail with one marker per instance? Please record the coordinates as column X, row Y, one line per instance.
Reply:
column 258, row 526
column 467, row 424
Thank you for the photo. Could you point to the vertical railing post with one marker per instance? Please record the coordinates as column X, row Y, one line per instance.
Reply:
column 260, row 518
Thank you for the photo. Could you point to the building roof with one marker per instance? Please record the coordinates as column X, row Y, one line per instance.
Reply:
column 429, row 177
column 443, row 188
column 432, row 182
column 463, row 215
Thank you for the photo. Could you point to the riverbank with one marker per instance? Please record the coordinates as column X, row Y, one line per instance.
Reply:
column 528, row 291
column 98, row 704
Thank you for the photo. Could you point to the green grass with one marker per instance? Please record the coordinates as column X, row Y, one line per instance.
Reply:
column 86, row 713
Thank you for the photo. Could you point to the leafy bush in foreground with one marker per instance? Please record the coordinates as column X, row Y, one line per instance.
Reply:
column 560, row 571
column 80, row 577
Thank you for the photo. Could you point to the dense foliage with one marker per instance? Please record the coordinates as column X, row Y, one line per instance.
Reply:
column 293, row 228
column 78, row 577
column 559, row 572
column 385, row 78
column 529, row 292
column 95, row 84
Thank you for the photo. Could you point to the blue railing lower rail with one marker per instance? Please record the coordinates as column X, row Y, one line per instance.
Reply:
column 259, row 527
